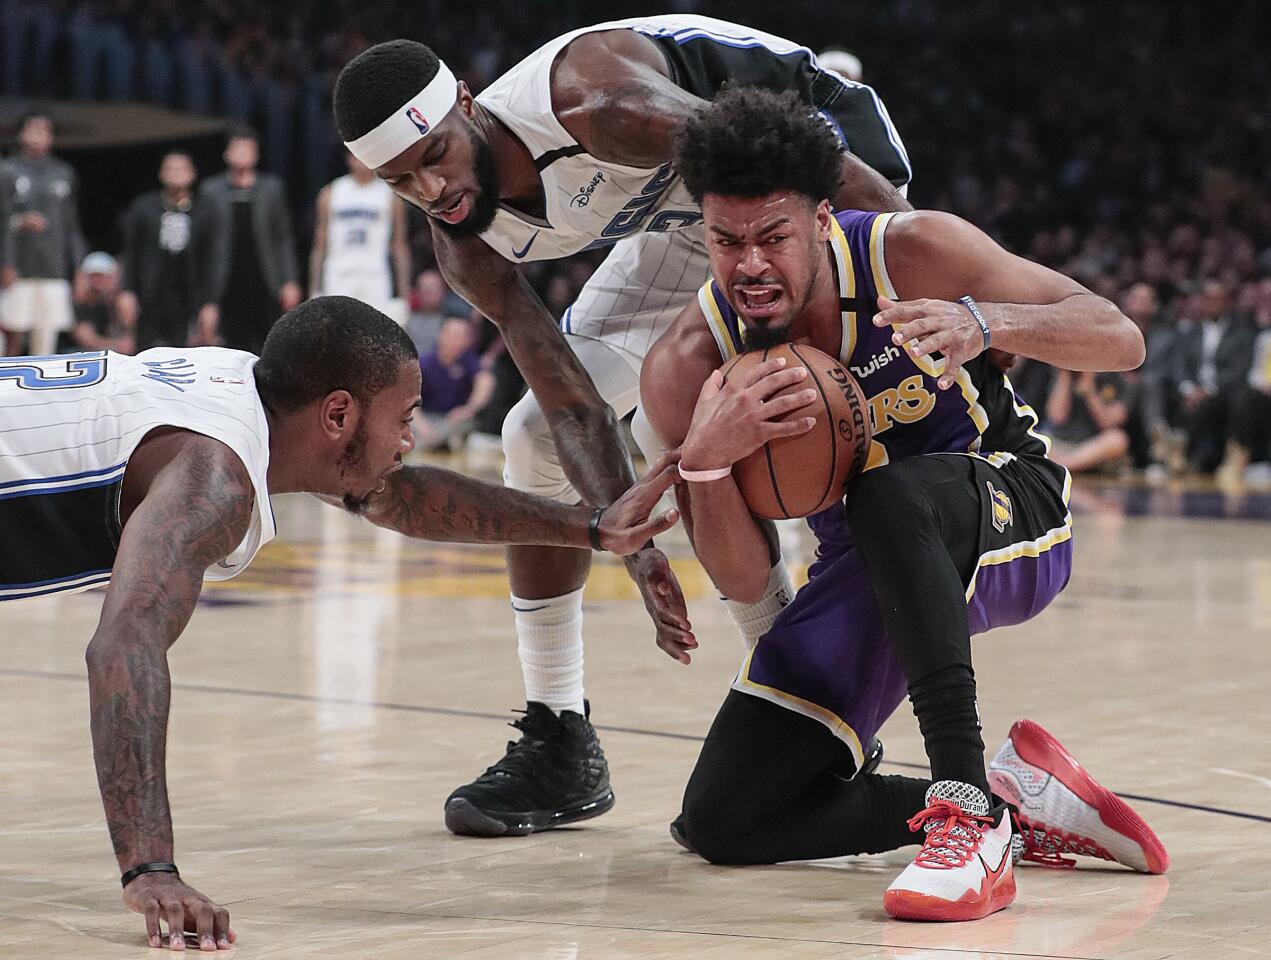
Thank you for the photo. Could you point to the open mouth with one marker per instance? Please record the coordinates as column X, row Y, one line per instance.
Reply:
column 760, row 299
column 456, row 212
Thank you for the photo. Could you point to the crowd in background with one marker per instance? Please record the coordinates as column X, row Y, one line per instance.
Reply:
column 1127, row 146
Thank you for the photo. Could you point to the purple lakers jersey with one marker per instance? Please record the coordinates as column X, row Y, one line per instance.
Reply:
column 980, row 415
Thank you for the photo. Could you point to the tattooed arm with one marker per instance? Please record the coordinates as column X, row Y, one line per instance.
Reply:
column 435, row 504
column 591, row 448
column 195, row 511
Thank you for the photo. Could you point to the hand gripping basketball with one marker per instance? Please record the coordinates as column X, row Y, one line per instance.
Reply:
column 736, row 416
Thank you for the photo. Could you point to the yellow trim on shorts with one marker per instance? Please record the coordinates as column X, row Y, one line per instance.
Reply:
column 836, row 724
column 710, row 309
column 932, row 368
column 1031, row 548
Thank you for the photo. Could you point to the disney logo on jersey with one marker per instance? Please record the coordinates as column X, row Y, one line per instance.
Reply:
column 417, row 118
column 583, row 197
column 876, row 363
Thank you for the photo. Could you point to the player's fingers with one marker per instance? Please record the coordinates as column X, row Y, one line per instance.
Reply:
column 776, row 382
column 788, row 402
column 896, row 311
column 174, row 911
column 220, row 928
column 787, row 428
column 712, row 384
column 154, row 936
column 938, row 342
column 204, row 923
column 654, row 526
column 756, row 373
column 916, row 328
column 950, row 375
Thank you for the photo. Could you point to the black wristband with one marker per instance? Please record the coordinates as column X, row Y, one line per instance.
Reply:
column 154, row 867
column 974, row 309
column 593, row 529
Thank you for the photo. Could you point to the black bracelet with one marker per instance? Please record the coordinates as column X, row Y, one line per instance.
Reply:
column 593, row 529
column 974, row 309
column 154, row 867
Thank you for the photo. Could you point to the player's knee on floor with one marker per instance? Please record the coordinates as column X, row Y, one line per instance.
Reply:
column 715, row 832
column 530, row 460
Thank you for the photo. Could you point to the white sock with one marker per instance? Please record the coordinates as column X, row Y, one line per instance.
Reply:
column 549, row 641
column 756, row 619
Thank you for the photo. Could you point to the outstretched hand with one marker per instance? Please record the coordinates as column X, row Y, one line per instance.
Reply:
column 626, row 526
column 165, row 897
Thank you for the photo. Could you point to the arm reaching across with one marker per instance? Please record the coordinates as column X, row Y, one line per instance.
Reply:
column 195, row 511
column 1029, row 309
column 434, row 504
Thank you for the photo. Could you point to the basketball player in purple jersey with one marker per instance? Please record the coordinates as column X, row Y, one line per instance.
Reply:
column 570, row 150
column 959, row 523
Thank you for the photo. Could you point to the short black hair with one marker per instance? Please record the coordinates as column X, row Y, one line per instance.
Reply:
column 242, row 132
column 326, row 344
column 37, row 115
column 752, row 142
column 378, row 81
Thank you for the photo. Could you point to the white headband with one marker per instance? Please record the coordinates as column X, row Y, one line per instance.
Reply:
column 408, row 123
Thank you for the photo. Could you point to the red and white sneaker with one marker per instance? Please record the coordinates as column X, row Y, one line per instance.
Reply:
column 1064, row 810
column 964, row 870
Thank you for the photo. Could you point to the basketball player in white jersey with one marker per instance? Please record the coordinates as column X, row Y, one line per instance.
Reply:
column 571, row 150
column 360, row 247
column 153, row 473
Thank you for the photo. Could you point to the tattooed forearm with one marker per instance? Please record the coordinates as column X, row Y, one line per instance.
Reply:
column 195, row 513
column 434, row 504
column 592, row 451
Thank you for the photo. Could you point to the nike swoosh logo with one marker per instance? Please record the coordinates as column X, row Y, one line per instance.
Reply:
column 528, row 609
column 226, row 566
column 994, row 875
column 519, row 254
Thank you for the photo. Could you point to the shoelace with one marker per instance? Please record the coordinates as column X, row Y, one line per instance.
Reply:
column 522, row 755
column 954, row 841
column 1044, row 845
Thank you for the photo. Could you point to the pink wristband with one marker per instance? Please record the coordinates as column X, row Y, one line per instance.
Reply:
column 702, row 476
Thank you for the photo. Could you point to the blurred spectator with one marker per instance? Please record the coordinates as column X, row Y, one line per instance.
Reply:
column 252, row 274
column 1251, row 456
column 1086, row 415
column 359, row 242
column 1214, row 355
column 104, row 319
column 456, row 385
column 42, row 244
column 431, row 304
column 1148, row 425
column 167, row 244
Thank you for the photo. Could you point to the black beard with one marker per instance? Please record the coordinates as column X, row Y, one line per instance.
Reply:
column 485, row 201
column 354, row 458
column 764, row 336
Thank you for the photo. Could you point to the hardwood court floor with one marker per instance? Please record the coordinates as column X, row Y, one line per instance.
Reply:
column 328, row 700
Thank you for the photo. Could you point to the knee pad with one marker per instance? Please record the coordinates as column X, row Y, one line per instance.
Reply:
column 531, row 463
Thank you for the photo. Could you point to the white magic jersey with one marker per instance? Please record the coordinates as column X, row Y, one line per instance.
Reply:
column 68, row 425
column 591, row 202
column 359, row 227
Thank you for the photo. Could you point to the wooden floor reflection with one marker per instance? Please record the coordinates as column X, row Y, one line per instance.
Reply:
column 330, row 698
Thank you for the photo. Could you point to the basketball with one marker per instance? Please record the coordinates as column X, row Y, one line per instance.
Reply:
column 802, row 475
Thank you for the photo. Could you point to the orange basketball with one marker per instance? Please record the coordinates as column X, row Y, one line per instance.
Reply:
column 800, row 476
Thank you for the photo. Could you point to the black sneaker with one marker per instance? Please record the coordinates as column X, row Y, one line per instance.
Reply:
column 873, row 757
column 555, row 774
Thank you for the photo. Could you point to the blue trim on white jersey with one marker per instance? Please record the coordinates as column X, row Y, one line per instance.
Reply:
column 90, row 578
column 63, row 477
